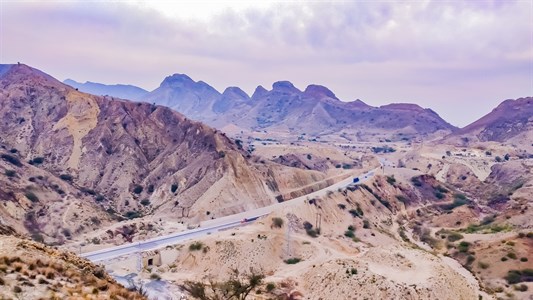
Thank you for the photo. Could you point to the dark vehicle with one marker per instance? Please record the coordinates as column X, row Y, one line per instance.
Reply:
column 356, row 180
column 245, row 220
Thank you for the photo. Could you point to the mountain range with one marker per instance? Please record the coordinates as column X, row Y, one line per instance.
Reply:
column 315, row 111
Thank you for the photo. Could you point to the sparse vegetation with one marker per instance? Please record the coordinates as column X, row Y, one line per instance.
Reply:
column 10, row 173
column 173, row 188
column 32, row 197
column 11, row 159
column 277, row 222
column 66, row 177
column 145, row 202
column 137, row 189
column 293, row 260
column 196, row 246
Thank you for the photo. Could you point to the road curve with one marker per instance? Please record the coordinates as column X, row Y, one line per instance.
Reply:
column 210, row 226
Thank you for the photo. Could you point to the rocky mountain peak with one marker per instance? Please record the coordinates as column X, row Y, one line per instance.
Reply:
column 319, row 91
column 284, row 86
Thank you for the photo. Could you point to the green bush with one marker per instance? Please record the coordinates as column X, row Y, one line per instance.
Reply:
column 37, row 160
column 11, row 159
column 439, row 195
column 195, row 246
column 277, row 222
column 145, row 202
column 173, row 188
column 137, row 189
column 66, row 177
column 270, row 287
column 133, row 214
column 391, row 180
column 292, row 261
column 32, row 197
column 454, row 236
column 463, row 246
column 511, row 255
column 349, row 233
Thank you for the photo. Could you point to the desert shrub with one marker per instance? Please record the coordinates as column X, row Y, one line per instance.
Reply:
column 32, row 197
column 277, row 222
column 351, row 228
column 37, row 160
column 10, row 173
column 504, row 259
column 523, row 259
column 195, row 246
column 137, row 189
column 150, row 188
column 391, row 180
column 463, row 246
column 66, row 177
column 312, row 232
column 439, row 195
column 173, row 188
column 99, row 198
column 270, row 287
column 470, row 259
column 521, row 288
column 66, row 232
column 343, row 207
column 293, row 260
column 511, row 255
column 454, row 236
column 516, row 276
column 309, row 156
column 145, row 202
column 221, row 154
column 37, row 237
column 349, row 233
column 416, row 181
column 366, row 224
column 487, row 220
column 483, row 265
column 155, row 276
column 17, row 289
column 402, row 199
column 132, row 214
column 353, row 271
column 11, row 159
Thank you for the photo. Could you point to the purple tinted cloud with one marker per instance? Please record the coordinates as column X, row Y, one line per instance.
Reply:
column 438, row 54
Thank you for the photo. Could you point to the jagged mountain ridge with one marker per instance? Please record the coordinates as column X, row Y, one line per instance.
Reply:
column 315, row 110
column 123, row 91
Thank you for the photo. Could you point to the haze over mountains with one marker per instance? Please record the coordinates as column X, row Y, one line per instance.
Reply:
column 122, row 91
column 315, row 110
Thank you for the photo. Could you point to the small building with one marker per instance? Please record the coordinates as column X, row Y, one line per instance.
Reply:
column 151, row 259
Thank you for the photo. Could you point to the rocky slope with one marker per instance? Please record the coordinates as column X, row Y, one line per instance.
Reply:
column 67, row 155
column 29, row 270
column 316, row 110
column 510, row 119
column 122, row 91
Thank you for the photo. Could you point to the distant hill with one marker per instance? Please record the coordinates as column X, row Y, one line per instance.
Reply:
column 510, row 119
column 122, row 91
column 316, row 110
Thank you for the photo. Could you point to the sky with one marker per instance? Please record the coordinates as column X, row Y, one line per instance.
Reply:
column 459, row 58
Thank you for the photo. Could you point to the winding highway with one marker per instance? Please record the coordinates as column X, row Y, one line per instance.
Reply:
column 211, row 226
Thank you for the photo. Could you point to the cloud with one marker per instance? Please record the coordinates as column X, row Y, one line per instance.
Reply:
column 420, row 51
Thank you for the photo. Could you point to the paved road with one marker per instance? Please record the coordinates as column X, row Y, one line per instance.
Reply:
column 210, row 226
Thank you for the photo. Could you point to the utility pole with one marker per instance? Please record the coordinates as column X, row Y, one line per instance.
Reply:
column 318, row 221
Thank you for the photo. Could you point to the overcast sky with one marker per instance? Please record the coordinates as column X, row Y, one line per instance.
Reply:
column 460, row 58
